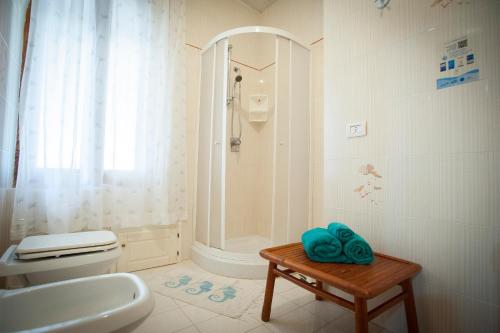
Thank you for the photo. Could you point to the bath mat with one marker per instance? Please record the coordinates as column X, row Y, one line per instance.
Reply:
column 225, row 296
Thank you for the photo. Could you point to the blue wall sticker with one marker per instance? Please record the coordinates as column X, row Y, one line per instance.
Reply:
column 457, row 65
column 447, row 82
column 451, row 64
column 470, row 58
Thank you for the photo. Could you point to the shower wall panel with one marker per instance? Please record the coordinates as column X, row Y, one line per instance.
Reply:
column 292, row 142
column 299, row 160
column 249, row 172
column 281, row 142
column 219, row 144
column 204, row 145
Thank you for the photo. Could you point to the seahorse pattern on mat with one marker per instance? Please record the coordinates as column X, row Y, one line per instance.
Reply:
column 227, row 293
column 204, row 287
column 183, row 280
column 219, row 296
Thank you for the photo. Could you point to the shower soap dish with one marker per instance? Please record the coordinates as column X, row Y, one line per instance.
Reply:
column 258, row 108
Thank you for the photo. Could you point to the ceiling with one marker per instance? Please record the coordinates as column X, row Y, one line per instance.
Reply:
column 258, row 5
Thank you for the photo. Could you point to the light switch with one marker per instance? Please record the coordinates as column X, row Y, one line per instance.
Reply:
column 356, row 129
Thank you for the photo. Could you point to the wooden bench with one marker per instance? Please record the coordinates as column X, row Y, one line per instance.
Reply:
column 362, row 281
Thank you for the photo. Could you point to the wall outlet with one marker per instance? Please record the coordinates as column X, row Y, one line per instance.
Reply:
column 356, row 129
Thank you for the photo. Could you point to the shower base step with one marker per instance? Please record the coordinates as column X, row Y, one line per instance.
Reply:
column 248, row 244
column 227, row 263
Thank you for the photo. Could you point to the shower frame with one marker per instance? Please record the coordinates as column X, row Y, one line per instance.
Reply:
column 209, row 222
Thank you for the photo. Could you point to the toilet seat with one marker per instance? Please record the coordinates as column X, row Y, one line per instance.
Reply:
column 56, row 245
column 58, row 253
column 76, row 252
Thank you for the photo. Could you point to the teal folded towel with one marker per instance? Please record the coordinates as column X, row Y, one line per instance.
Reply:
column 341, row 231
column 320, row 245
column 358, row 250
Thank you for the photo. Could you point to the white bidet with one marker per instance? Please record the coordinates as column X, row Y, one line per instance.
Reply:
column 98, row 304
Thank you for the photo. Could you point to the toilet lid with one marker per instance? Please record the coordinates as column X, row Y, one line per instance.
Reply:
column 76, row 242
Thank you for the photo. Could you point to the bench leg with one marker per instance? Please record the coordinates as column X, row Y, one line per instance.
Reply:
column 410, row 309
column 268, row 297
column 319, row 285
column 361, row 315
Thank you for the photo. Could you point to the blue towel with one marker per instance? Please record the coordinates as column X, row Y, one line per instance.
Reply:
column 358, row 251
column 320, row 245
column 341, row 231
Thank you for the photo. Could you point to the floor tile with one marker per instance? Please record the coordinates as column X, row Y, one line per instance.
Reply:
column 162, row 304
column 180, row 303
column 190, row 329
column 260, row 329
column 250, row 321
column 165, row 322
column 281, row 285
column 155, row 282
column 280, row 306
column 196, row 314
column 345, row 324
column 327, row 311
column 226, row 324
column 328, row 329
column 296, row 321
column 260, row 283
column 299, row 296
column 145, row 275
column 255, row 307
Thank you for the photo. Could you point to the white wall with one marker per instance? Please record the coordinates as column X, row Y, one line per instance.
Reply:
column 438, row 151
column 304, row 19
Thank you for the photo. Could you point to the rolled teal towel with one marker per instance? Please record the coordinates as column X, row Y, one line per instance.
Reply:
column 320, row 245
column 358, row 250
column 341, row 231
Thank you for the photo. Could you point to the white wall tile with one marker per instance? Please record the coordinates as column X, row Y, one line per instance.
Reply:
column 481, row 262
column 438, row 149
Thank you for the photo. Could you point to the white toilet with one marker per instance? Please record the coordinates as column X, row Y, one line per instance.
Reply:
column 57, row 257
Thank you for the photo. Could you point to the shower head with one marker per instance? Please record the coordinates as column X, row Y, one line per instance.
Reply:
column 238, row 78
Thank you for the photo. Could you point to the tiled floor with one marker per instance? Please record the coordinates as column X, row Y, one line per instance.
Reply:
column 293, row 310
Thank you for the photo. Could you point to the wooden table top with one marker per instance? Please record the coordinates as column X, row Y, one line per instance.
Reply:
column 364, row 281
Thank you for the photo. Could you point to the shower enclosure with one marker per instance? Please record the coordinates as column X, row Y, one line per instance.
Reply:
column 253, row 179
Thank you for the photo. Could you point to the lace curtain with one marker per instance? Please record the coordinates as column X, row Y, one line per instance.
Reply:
column 11, row 29
column 102, row 117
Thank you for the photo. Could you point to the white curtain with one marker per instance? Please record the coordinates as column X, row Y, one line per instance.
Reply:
column 11, row 30
column 102, row 125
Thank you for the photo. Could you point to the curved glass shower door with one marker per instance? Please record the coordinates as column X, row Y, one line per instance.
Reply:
column 257, row 196
column 211, row 179
column 291, row 192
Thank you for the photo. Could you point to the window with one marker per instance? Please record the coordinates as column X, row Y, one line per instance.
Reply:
column 77, row 116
